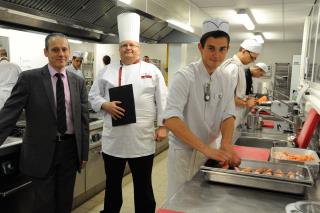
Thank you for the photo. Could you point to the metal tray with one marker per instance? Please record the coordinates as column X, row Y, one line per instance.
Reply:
column 294, row 151
column 212, row 172
column 313, row 165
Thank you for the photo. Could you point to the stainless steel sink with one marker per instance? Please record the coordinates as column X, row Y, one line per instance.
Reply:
column 265, row 135
column 261, row 142
column 268, row 131
column 270, row 117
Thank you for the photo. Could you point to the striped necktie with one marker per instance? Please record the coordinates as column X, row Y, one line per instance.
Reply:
column 61, row 105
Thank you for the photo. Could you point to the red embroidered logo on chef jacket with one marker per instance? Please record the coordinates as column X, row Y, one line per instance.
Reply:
column 146, row 76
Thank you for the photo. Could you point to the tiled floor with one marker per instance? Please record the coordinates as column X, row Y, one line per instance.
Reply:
column 159, row 178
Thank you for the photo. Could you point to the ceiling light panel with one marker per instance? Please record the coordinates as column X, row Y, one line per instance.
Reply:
column 245, row 19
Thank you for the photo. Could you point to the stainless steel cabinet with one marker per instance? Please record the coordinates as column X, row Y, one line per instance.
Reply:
column 92, row 178
column 282, row 79
column 80, row 184
column 95, row 168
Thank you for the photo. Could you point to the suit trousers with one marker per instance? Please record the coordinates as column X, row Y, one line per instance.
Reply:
column 54, row 193
column 141, row 169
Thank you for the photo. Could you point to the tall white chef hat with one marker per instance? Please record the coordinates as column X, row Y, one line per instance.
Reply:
column 252, row 45
column 263, row 66
column 128, row 27
column 77, row 54
column 215, row 24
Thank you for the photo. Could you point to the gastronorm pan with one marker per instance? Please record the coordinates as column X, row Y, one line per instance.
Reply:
column 313, row 165
column 213, row 172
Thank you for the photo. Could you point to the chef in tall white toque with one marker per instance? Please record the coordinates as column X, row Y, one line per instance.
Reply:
column 133, row 142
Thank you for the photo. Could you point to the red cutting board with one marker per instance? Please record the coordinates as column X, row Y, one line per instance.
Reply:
column 308, row 128
column 167, row 211
column 268, row 123
column 252, row 153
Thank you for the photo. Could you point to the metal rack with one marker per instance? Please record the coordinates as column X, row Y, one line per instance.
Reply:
column 156, row 62
column 164, row 72
column 282, row 79
column 87, row 70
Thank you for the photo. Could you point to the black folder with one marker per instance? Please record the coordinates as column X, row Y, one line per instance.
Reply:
column 125, row 95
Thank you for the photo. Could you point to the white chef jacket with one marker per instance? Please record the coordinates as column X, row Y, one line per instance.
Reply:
column 104, row 69
column 71, row 68
column 186, row 101
column 149, row 90
column 9, row 73
column 234, row 67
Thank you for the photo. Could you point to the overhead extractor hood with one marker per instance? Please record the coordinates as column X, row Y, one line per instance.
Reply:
column 94, row 20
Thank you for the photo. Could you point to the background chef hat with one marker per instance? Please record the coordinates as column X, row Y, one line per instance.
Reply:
column 252, row 45
column 215, row 25
column 77, row 54
column 128, row 27
column 262, row 66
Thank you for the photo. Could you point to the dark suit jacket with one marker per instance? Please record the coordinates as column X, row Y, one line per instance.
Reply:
column 33, row 92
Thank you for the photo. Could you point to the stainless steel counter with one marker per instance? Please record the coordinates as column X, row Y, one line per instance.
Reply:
column 11, row 141
column 10, row 145
column 199, row 195
column 96, row 124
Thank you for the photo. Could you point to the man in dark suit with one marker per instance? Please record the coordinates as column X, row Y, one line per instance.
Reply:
column 56, row 140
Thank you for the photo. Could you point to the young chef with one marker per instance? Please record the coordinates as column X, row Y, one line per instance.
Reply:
column 256, row 71
column 248, row 53
column 77, row 58
column 200, row 105
column 133, row 143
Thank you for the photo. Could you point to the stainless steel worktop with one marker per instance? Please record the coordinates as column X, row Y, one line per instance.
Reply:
column 199, row 195
column 11, row 141
column 96, row 124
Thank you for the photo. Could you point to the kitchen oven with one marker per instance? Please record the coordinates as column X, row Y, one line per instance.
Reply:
column 15, row 188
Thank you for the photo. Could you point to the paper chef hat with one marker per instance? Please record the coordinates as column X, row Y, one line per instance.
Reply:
column 215, row 25
column 77, row 54
column 128, row 27
column 252, row 45
column 262, row 66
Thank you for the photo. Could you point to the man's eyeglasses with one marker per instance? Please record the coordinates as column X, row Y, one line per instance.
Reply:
column 132, row 46
column 253, row 58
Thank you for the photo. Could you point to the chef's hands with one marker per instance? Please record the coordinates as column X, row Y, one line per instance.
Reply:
column 160, row 134
column 218, row 154
column 112, row 107
column 251, row 102
column 226, row 156
column 235, row 159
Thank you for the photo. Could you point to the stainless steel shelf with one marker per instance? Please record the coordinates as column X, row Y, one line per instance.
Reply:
column 282, row 79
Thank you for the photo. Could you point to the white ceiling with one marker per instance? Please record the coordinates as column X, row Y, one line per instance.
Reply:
column 279, row 20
